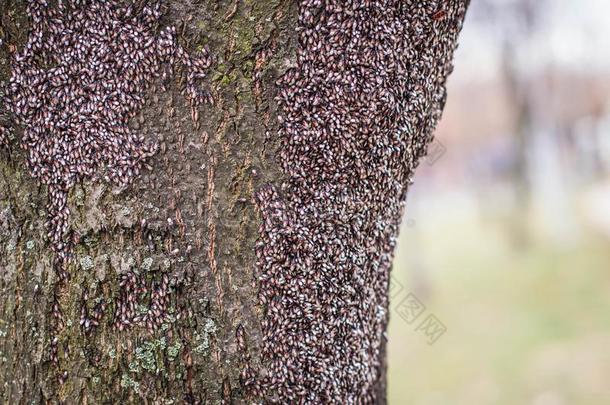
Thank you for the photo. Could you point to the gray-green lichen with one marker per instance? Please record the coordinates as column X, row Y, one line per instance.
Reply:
column 127, row 382
column 147, row 263
column 202, row 340
column 149, row 356
column 174, row 350
column 86, row 262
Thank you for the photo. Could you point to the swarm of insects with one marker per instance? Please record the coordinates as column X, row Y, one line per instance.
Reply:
column 132, row 288
column 357, row 113
column 81, row 76
column 4, row 136
column 90, row 319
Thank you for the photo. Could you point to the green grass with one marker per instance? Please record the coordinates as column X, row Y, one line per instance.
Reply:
column 527, row 326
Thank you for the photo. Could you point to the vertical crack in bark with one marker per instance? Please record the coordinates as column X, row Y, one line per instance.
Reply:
column 212, row 237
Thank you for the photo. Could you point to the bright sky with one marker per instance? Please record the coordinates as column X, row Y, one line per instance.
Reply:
column 574, row 34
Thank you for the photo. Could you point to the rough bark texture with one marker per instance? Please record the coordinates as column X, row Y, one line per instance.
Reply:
column 191, row 223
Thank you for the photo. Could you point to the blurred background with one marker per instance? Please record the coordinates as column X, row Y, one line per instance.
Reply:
column 501, row 283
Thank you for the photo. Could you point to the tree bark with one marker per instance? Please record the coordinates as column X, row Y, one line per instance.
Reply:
column 189, row 227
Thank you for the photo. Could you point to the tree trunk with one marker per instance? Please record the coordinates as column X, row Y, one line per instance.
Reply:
column 250, row 261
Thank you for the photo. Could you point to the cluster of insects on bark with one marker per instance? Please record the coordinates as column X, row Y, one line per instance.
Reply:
column 129, row 313
column 91, row 318
column 75, row 85
column 357, row 111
